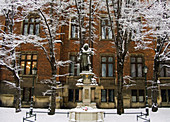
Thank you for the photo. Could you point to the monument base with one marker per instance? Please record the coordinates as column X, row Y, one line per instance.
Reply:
column 86, row 114
column 82, row 105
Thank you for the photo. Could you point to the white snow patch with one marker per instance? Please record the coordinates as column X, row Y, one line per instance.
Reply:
column 9, row 115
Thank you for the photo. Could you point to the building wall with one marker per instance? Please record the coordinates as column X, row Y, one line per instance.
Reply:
column 63, row 52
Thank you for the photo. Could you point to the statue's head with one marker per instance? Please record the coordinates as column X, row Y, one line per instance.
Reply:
column 86, row 46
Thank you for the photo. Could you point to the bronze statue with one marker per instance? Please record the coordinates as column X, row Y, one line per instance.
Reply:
column 84, row 57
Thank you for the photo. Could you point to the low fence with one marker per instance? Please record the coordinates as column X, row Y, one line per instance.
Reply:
column 140, row 115
column 28, row 116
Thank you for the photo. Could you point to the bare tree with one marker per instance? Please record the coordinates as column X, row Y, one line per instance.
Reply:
column 156, row 18
column 53, row 14
column 123, row 17
column 138, row 21
column 85, row 13
column 9, row 43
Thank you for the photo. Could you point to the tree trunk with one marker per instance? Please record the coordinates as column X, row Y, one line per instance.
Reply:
column 53, row 94
column 52, row 102
column 120, row 108
column 156, row 74
column 17, row 97
column 155, row 85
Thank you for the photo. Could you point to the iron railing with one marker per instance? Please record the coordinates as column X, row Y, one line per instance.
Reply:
column 28, row 116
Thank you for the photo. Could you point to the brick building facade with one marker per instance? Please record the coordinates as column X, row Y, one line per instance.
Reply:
column 104, row 66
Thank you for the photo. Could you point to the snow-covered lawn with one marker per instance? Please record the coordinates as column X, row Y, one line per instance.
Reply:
column 9, row 115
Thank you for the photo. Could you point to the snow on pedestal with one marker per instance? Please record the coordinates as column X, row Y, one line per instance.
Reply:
column 86, row 111
column 86, row 82
column 86, row 114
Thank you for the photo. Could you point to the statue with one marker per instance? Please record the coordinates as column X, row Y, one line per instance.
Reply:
column 84, row 57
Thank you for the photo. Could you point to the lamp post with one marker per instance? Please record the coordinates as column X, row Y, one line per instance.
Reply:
column 146, row 90
column 34, row 72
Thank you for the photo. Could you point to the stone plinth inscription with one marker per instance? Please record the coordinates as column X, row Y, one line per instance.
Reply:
column 86, row 93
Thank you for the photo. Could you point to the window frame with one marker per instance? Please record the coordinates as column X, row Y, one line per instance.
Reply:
column 104, row 94
column 136, row 63
column 29, row 23
column 165, row 96
column 164, row 71
column 75, row 96
column 71, row 95
column 143, row 95
column 168, row 95
column 107, row 63
column 137, row 95
column 134, row 93
column 76, row 66
column 106, row 26
column 76, row 26
column 24, row 97
column 107, row 96
column 26, row 60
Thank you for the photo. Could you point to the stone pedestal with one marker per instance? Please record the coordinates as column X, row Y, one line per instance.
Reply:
column 86, row 111
column 87, row 82
column 90, row 115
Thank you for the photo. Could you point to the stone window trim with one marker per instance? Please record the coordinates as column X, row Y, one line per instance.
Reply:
column 71, row 25
column 109, row 2
column 136, row 56
column 107, row 55
column 31, row 19
column 165, row 95
column 105, row 29
column 33, row 54
column 164, row 69
column 26, row 94
column 74, row 54
column 106, row 97
column 102, row 17
column 74, row 95
column 137, row 95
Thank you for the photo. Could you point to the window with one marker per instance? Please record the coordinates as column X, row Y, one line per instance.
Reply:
column 93, row 94
column 106, row 32
column 141, row 95
column 165, row 94
column 131, row 2
column 134, row 95
column 74, row 29
column 164, row 69
column 74, row 95
column 107, row 95
column 104, row 95
column 70, row 95
column 26, row 94
column 107, row 66
column 136, row 66
column 31, row 25
column 137, row 95
column 163, row 0
column 169, row 95
column 111, row 95
column 74, row 66
column 28, row 62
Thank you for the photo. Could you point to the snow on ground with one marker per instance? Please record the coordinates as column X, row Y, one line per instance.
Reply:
column 9, row 115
